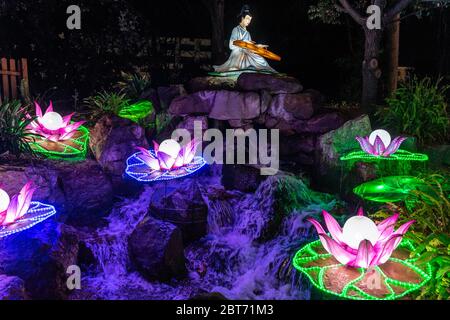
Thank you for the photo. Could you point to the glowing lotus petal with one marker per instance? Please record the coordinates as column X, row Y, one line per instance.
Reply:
column 378, row 148
column 368, row 253
column 19, row 205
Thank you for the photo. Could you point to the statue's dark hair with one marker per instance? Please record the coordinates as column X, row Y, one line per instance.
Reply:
column 245, row 11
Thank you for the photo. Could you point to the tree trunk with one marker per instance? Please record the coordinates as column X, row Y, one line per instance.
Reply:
column 371, row 71
column 392, row 48
column 216, row 10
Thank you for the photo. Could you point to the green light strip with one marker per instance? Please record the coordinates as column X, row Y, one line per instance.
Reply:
column 400, row 155
column 69, row 152
column 307, row 255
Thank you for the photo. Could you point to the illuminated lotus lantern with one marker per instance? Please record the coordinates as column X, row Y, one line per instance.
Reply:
column 379, row 145
column 360, row 243
column 362, row 260
column 56, row 136
column 165, row 162
column 18, row 213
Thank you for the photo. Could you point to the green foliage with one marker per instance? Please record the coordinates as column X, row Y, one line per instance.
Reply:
column 105, row 103
column 133, row 85
column 13, row 132
column 431, row 233
column 418, row 108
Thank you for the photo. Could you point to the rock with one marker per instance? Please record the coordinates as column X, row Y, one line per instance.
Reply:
column 152, row 96
column 241, row 124
column 233, row 105
column 188, row 123
column 320, row 124
column 300, row 106
column 180, row 202
column 156, row 249
column 295, row 144
column 168, row 94
column 15, row 175
column 87, row 190
column 112, row 141
column 209, row 296
column 275, row 84
column 277, row 109
column 199, row 103
column 245, row 178
column 12, row 288
column 81, row 191
column 334, row 144
column 40, row 256
column 211, row 83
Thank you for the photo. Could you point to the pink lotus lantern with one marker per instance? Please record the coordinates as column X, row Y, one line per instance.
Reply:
column 167, row 161
column 13, row 209
column 52, row 126
column 379, row 143
column 361, row 243
column 169, row 155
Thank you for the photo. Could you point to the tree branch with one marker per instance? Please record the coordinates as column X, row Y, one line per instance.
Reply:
column 352, row 12
column 397, row 8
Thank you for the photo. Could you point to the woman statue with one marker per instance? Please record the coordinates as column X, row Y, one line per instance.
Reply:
column 241, row 58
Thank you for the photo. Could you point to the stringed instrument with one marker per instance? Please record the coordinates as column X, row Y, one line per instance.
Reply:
column 261, row 51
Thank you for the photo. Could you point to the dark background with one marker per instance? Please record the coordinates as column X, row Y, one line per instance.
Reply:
column 115, row 37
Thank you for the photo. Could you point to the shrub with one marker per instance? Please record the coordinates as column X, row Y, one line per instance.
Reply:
column 133, row 85
column 418, row 108
column 105, row 103
column 13, row 132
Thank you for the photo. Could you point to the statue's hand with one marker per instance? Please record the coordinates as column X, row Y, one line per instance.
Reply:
column 262, row 45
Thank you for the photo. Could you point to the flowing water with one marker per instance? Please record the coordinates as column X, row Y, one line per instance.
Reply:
column 237, row 258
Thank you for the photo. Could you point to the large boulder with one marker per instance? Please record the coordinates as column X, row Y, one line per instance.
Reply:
column 180, row 202
column 81, row 191
column 320, row 124
column 12, row 288
column 300, row 106
column 332, row 146
column 199, row 103
column 245, row 178
column 112, row 141
column 211, row 83
column 40, row 256
column 88, row 192
column 156, row 249
column 275, row 84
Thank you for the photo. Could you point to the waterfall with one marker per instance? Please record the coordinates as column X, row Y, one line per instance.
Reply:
column 247, row 253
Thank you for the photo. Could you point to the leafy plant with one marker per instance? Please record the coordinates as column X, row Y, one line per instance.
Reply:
column 431, row 233
column 105, row 103
column 13, row 133
column 418, row 108
column 133, row 85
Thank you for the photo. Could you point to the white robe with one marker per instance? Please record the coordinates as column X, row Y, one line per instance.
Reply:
column 241, row 58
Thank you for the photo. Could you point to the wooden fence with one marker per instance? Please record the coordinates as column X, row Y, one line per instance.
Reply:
column 14, row 78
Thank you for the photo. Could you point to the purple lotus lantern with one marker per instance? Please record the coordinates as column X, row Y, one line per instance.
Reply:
column 52, row 126
column 361, row 243
column 379, row 143
column 165, row 162
column 18, row 213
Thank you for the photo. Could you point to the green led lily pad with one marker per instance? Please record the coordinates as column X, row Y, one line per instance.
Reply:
column 395, row 279
column 400, row 155
column 73, row 149
column 137, row 111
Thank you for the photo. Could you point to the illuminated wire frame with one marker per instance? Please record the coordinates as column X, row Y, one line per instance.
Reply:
column 37, row 213
column 322, row 270
column 137, row 111
column 400, row 155
column 140, row 171
column 73, row 149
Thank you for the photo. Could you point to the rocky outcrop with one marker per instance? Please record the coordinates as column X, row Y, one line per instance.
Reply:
column 244, row 178
column 112, row 141
column 40, row 257
column 275, row 84
column 156, row 249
